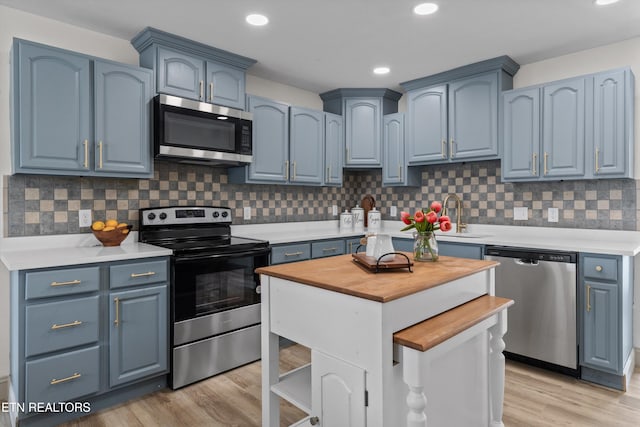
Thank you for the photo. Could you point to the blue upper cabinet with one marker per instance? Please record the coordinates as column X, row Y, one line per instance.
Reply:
column 394, row 168
column 334, row 148
column 579, row 128
column 193, row 70
column 306, row 146
column 51, row 109
column 122, row 96
column 68, row 120
column 454, row 116
column 362, row 110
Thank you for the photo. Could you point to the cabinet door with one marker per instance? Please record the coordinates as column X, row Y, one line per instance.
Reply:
column 51, row 110
column 225, row 85
column 270, row 140
column 601, row 343
column 460, row 250
column 427, row 125
column 521, row 129
column 610, row 133
column 393, row 166
column 563, row 129
column 180, row 74
column 473, row 117
column 363, row 127
column 306, row 146
column 351, row 245
column 334, row 147
column 122, row 137
column 337, row 392
column 138, row 331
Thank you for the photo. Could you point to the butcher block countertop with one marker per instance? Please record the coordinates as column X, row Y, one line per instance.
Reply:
column 342, row 274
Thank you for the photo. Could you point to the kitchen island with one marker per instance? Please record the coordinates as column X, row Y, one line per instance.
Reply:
column 348, row 315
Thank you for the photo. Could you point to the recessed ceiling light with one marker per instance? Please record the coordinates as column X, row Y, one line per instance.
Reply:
column 605, row 2
column 381, row 70
column 257, row 19
column 425, row 9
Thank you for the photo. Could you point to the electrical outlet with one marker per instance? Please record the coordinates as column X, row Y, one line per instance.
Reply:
column 394, row 211
column 521, row 213
column 552, row 214
column 247, row 212
column 334, row 210
column 84, row 217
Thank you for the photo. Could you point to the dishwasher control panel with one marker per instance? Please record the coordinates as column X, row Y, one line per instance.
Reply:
column 532, row 254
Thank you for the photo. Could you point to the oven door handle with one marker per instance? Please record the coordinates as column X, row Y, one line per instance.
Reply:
column 253, row 252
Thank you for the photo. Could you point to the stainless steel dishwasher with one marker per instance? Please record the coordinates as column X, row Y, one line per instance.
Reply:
column 542, row 327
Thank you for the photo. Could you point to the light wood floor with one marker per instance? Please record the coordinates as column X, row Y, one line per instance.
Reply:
column 533, row 397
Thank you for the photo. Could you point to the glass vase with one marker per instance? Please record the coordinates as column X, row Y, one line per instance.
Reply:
column 425, row 246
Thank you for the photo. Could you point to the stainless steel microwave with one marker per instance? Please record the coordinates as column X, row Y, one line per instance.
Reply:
column 197, row 132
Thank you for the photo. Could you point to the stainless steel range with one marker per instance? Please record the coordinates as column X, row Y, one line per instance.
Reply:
column 215, row 294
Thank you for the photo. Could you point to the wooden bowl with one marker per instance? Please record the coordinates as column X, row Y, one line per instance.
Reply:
column 112, row 237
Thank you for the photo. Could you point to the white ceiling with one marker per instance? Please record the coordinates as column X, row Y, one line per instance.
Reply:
column 325, row 44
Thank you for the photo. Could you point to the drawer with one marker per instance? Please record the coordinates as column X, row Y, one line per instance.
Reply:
column 289, row 253
column 327, row 248
column 352, row 244
column 460, row 250
column 51, row 283
column 64, row 377
column 59, row 325
column 600, row 268
column 137, row 273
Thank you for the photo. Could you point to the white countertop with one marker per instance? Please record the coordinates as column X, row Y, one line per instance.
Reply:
column 625, row 243
column 23, row 253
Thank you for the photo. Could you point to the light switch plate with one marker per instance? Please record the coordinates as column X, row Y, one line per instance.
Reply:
column 84, row 217
column 521, row 213
column 394, row 211
column 334, row 210
column 552, row 214
column 247, row 212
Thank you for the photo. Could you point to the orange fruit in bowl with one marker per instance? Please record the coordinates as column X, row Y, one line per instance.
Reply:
column 108, row 228
column 98, row 225
column 122, row 225
column 111, row 223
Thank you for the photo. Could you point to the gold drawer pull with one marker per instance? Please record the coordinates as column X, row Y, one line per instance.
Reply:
column 329, row 249
column 148, row 273
column 75, row 376
column 66, row 325
column 72, row 282
column 293, row 253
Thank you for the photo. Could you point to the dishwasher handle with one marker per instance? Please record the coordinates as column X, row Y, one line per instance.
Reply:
column 526, row 261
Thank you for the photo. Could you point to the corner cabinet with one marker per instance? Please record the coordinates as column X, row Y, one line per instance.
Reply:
column 91, row 332
column 77, row 115
column 362, row 110
column 579, row 128
column 193, row 70
column 454, row 116
column 605, row 294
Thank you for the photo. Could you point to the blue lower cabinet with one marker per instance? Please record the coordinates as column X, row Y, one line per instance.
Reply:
column 454, row 249
column 138, row 334
column 327, row 248
column 290, row 252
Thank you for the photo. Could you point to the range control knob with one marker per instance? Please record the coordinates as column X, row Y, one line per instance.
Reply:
column 216, row 214
column 151, row 216
column 163, row 215
column 225, row 214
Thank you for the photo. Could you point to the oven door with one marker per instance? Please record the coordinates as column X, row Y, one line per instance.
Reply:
column 209, row 284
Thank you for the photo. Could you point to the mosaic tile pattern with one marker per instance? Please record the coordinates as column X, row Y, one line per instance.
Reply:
column 42, row 205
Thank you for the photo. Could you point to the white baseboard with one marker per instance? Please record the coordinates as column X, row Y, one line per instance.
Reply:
column 4, row 389
column 637, row 356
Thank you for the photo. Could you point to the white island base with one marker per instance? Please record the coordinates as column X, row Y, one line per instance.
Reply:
column 348, row 316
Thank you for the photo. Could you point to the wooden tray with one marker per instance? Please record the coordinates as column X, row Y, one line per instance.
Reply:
column 400, row 261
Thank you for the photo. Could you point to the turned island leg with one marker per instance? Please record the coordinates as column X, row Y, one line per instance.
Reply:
column 416, row 365
column 496, row 369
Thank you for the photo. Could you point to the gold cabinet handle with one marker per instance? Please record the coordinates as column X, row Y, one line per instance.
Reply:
column 294, row 171
column 100, row 155
column 86, row 153
column 597, row 160
column 588, row 298
column 116, row 300
column 286, row 170
column 328, row 173
column 293, row 253
column 598, row 268
column 534, row 164
column 546, row 156
column 66, row 325
column 75, row 376
column 452, row 153
column 400, row 171
column 329, row 249
column 148, row 273
column 201, row 89
column 71, row 282
column 210, row 91
column 346, row 151
column 444, row 148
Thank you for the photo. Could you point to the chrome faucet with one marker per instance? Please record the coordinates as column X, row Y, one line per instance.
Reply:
column 460, row 226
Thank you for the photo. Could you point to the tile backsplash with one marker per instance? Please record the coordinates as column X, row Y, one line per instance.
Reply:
column 42, row 205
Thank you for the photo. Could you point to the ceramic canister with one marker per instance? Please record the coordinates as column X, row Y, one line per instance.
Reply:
column 346, row 221
column 374, row 220
column 358, row 219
